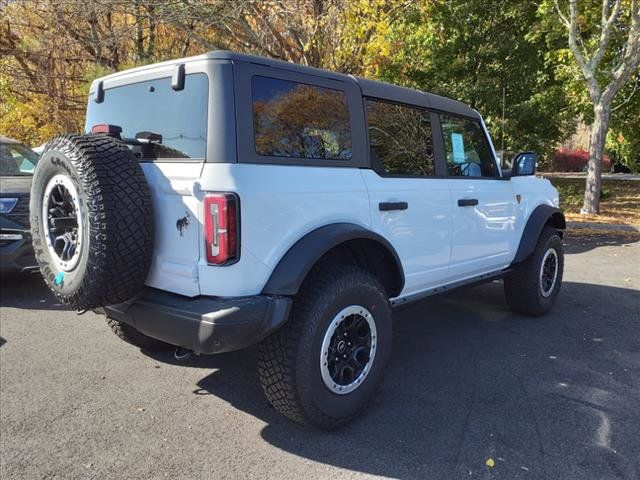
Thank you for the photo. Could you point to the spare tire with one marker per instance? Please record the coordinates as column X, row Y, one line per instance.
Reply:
column 91, row 220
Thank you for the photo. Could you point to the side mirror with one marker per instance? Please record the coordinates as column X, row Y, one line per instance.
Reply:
column 524, row 163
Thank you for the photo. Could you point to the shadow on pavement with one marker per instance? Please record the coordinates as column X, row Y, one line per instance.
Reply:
column 27, row 291
column 583, row 240
column 553, row 397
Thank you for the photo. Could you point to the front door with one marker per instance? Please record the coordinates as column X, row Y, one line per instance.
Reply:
column 483, row 203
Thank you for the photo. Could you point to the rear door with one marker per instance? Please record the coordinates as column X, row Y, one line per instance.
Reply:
column 409, row 205
column 483, row 203
column 146, row 102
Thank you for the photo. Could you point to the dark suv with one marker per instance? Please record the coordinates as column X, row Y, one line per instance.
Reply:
column 17, row 163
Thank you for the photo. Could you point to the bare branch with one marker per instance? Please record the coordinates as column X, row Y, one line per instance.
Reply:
column 587, row 70
column 606, row 24
column 630, row 58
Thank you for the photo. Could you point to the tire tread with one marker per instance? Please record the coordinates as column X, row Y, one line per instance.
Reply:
column 121, row 226
column 281, row 354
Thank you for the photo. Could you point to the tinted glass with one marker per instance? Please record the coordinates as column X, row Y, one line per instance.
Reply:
column 153, row 106
column 400, row 139
column 17, row 160
column 466, row 148
column 292, row 119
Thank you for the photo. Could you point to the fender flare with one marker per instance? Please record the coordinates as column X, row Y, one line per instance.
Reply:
column 541, row 216
column 293, row 267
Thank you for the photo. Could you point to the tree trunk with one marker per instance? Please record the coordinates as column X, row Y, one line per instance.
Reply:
column 597, row 139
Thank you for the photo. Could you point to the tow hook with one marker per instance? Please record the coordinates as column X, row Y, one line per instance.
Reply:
column 182, row 353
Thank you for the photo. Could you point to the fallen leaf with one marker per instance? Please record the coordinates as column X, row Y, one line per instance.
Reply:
column 490, row 463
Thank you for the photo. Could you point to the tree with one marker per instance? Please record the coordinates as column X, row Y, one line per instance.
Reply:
column 623, row 141
column 50, row 51
column 331, row 34
column 602, row 84
column 476, row 50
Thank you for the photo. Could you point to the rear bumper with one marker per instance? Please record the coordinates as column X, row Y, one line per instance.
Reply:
column 16, row 255
column 203, row 324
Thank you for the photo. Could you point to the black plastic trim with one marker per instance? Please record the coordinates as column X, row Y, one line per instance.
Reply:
column 178, row 77
column 533, row 228
column 294, row 266
column 203, row 324
column 470, row 282
column 99, row 92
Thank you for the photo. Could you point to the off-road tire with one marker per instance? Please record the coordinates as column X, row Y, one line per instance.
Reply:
column 522, row 287
column 289, row 360
column 135, row 337
column 116, row 214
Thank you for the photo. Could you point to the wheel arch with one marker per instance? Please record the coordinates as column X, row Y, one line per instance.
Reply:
column 541, row 216
column 344, row 242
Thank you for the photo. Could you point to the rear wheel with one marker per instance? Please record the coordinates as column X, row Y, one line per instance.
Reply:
column 326, row 363
column 533, row 287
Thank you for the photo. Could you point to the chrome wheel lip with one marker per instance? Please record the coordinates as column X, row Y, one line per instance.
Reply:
column 67, row 184
column 550, row 255
column 326, row 342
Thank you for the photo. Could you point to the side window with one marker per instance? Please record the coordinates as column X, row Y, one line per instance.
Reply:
column 292, row 119
column 466, row 148
column 400, row 139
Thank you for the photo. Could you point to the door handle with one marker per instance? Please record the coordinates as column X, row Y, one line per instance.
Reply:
column 467, row 202
column 387, row 206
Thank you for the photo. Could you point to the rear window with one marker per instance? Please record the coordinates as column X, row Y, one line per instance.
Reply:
column 153, row 106
column 299, row 120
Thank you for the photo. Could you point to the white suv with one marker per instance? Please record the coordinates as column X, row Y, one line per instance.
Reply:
column 225, row 200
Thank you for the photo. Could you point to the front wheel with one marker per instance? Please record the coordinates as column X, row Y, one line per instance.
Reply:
column 326, row 363
column 533, row 287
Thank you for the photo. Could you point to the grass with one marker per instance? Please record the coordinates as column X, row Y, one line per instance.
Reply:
column 619, row 200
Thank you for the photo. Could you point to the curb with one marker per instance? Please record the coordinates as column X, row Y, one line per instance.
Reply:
column 603, row 226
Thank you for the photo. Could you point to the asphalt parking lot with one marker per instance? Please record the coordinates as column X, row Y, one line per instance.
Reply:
column 550, row 398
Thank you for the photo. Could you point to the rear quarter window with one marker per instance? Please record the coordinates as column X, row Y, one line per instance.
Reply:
column 153, row 106
column 292, row 119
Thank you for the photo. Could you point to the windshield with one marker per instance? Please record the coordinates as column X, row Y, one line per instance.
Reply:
column 17, row 160
column 153, row 106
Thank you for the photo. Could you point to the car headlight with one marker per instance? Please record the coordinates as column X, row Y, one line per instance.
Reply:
column 7, row 204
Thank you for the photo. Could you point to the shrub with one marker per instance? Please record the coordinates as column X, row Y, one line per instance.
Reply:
column 565, row 160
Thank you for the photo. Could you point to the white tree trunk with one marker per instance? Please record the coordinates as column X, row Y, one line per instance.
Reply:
column 602, row 99
column 597, row 140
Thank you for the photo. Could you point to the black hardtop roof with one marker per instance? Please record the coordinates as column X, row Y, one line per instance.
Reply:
column 369, row 88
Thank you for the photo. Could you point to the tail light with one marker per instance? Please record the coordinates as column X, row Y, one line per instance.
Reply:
column 107, row 129
column 222, row 228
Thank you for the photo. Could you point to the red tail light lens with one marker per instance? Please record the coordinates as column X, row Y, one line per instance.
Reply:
column 106, row 129
column 222, row 228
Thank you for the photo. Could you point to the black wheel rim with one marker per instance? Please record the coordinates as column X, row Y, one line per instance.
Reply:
column 548, row 272
column 348, row 349
column 62, row 222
